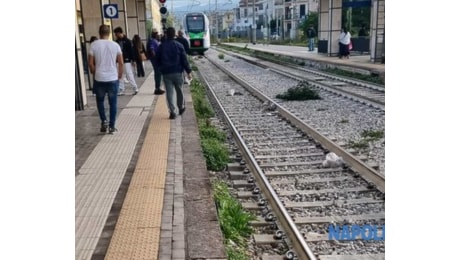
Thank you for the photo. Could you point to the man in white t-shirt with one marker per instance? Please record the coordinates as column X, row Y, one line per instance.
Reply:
column 106, row 64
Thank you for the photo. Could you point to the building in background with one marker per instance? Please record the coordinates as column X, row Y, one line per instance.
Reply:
column 134, row 16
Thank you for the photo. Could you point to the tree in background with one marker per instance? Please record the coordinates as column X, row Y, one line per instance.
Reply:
column 354, row 18
column 312, row 18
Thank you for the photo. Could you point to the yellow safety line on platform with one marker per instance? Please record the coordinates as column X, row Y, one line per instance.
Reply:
column 137, row 232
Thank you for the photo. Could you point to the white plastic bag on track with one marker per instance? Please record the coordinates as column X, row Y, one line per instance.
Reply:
column 332, row 161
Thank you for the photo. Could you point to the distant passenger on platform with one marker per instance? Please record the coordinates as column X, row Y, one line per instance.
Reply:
column 173, row 61
column 106, row 64
column 91, row 40
column 128, row 58
column 344, row 42
column 180, row 38
column 363, row 32
column 139, row 55
column 152, row 48
column 311, row 34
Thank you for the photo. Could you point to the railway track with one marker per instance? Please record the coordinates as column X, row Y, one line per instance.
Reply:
column 281, row 178
column 361, row 91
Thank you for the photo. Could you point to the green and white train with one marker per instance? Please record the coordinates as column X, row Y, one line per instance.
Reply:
column 196, row 30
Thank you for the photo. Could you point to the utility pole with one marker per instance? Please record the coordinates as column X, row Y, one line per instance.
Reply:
column 217, row 25
column 254, row 26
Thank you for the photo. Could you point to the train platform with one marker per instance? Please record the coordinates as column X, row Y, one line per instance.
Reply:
column 144, row 192
column 356, row 62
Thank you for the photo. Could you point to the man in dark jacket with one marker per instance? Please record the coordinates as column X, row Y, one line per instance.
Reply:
column 311, row 34
column 173, row 61
column 128, row 58
column 180, row 38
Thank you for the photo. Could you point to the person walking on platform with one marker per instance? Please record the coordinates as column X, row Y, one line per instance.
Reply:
column 173, row 61
column 91, row 40
column 128, row 58
column 139, row 54
column 311, row 34
column 344, row 41
column 104, row 55
column 152, row 48
column 180, row 38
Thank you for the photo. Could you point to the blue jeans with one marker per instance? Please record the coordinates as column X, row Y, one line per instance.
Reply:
column 311, row 44
column 174, row 83
column 111, row 88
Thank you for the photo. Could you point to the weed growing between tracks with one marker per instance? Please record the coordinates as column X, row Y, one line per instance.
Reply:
column 368, row 78
column 233, row 219
column 300, row 92
column 367, row 137
column 212, row 140
column 234, row 222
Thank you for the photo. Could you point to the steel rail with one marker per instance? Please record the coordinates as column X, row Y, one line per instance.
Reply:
column 373, row 86
column 368, row 173
column 298, row 241
column 353, row 95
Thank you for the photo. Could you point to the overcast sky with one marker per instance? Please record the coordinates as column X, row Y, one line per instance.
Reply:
column 198, row 5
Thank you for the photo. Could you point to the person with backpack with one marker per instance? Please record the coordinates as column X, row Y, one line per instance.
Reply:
column 152, row 48
column 311, row 34
column 172, row 61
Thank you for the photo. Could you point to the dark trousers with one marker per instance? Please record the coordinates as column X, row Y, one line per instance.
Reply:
column 140, row 68
column 343, row 50
column 157, row 76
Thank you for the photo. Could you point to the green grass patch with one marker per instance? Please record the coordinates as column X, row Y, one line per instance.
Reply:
column 373, row 134
column 369, row 78
column 202, row 107
column 367, row 136
column 208, row 131
column 221, row 56
column 302, row 91
column 212, row 140
column 215, row 153
column 236, row 253
column 359, row 145
column 233, row 220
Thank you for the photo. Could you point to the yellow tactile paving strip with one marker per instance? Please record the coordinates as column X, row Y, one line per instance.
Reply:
column 137, row 232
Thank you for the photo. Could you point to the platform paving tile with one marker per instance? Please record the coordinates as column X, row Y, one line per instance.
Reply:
column 140, row 216
column 100, row 176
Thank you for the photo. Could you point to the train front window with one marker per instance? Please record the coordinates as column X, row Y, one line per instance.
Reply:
column 195, row 23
